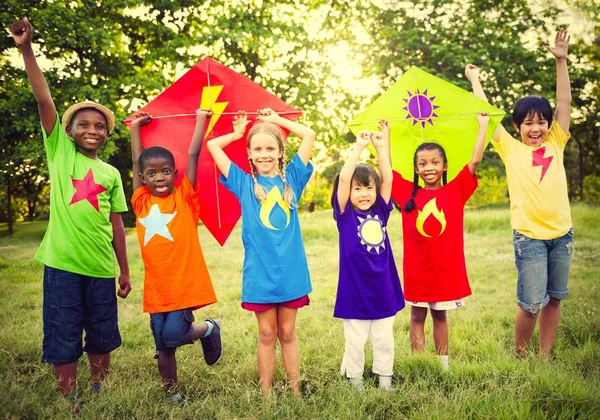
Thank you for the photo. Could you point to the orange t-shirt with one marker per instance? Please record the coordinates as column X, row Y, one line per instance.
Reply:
column 175, row 273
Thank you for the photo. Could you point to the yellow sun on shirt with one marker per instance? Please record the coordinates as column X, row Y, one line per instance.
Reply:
column 371, row 233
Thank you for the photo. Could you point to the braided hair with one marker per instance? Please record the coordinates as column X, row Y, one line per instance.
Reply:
column 410, row 203
column 274, row 131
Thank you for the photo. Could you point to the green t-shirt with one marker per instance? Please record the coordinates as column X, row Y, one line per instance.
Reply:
column 83, row 194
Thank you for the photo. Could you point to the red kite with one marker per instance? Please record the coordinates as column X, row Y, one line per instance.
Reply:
column 209, row 84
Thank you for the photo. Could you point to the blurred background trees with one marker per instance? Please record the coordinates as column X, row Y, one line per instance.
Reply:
column 330, row 58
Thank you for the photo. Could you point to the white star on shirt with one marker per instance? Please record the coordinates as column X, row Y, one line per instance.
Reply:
column 156, row 224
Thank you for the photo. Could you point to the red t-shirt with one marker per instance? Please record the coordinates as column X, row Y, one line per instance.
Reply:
column 175, row 273
column 434, row 260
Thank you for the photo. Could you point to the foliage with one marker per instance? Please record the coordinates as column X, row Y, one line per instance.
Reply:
column 123, row 53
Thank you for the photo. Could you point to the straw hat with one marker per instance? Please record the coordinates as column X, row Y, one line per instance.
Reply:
column 68, row 115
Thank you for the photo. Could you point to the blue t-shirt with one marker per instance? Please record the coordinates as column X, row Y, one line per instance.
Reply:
column 368, row 285
column 275, row 268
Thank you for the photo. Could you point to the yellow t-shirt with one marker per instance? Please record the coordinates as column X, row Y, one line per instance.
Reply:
column 537, row 184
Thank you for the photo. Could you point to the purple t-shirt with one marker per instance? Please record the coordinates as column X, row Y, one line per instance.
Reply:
column 368, row 285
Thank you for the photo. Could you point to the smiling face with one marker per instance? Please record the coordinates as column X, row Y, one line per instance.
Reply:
column 430, row 166
column 362, row 197
column 264, row 153
column 533, row 130
column 159, row 175
column 89, row 131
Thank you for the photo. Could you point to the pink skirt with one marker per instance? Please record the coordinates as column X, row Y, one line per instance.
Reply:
column 292, row 304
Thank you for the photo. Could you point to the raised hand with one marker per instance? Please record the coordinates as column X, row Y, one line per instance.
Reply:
column 240, row 122
column 267, row 115
column 363, row 138
column 561, row 44
column 472, row 72
column 141, row 118
column 483, row 118
column 384, row 127
column 22, row 32
column 206, row 113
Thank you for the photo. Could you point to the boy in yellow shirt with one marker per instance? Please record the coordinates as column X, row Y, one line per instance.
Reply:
column 540, row 210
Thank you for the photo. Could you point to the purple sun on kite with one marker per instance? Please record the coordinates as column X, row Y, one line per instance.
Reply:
column 420, row 107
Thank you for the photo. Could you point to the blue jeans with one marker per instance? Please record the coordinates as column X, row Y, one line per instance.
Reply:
column 543, row 267
column 74, row 303
column 172, row 329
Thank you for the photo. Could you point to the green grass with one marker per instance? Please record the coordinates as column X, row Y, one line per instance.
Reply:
column 485, row 381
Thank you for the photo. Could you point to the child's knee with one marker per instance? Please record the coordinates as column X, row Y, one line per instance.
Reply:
column 418, row 315
column 267, row 335
column 286, row 335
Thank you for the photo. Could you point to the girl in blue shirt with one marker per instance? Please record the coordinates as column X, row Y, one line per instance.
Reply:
column 275, row 280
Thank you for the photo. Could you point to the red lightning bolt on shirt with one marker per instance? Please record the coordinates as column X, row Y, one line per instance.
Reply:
column 540, row 160
column 87, row 189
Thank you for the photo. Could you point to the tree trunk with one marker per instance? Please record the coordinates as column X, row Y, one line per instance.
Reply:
column 9, row 215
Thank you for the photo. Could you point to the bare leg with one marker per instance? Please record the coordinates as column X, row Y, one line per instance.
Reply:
column 417, row 328
column 549, row 320
column 66, row 375
column 290, row 351
column 99, row 366
column 167, row 367
column 267, row 337
column 440, row 332
column 198, row 330
column 524, row 326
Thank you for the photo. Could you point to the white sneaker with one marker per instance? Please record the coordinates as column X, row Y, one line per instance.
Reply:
column 357, row 383
column 385, row 382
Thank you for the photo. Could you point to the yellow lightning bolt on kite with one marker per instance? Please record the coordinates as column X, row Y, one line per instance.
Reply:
column 209, row 101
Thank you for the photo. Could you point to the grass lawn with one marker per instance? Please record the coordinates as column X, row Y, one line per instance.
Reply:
column 485, row 380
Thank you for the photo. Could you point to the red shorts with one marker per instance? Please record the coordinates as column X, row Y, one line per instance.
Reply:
column 292, row 304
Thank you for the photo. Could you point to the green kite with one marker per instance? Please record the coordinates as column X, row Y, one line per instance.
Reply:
column 423, row 108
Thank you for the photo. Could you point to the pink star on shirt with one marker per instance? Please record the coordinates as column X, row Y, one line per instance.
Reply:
column 87, row 189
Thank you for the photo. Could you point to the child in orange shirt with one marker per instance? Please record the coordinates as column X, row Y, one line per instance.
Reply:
column 176, row 279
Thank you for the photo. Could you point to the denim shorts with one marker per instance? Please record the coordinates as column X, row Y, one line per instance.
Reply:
column 543, row 267
column 74, row 303
column 172, row 329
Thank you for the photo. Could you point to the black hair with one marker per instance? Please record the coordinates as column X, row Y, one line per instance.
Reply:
column 363, row 175
column 529, row 106
column 156, row 152
column 410, row 203
column 88, row 109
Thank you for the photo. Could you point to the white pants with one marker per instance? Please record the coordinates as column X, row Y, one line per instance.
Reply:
column 356, row 333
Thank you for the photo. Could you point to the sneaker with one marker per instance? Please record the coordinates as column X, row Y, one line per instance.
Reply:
column 357, row 383
column 385, row 382
column 175, row 399
column 212, row 344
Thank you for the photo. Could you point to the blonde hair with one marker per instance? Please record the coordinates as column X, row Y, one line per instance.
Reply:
column 274, row 131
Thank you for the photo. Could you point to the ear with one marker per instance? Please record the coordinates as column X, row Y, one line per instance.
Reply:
column 141, row 175
column 176, row 172
column 516, row 128
column 445, row 167
column 69, row 130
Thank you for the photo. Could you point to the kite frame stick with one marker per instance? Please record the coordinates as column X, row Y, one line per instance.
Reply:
column 423, row 119
column 222, row 113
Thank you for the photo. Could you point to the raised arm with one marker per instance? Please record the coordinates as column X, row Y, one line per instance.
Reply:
column 141, row 119
column 306, row 134
column 381, row 141
column 196, row 144
column 472, row 73
column 22, row 32
column 563, row 84
column 483, row 118
column 345, row 181
column 216, row 146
